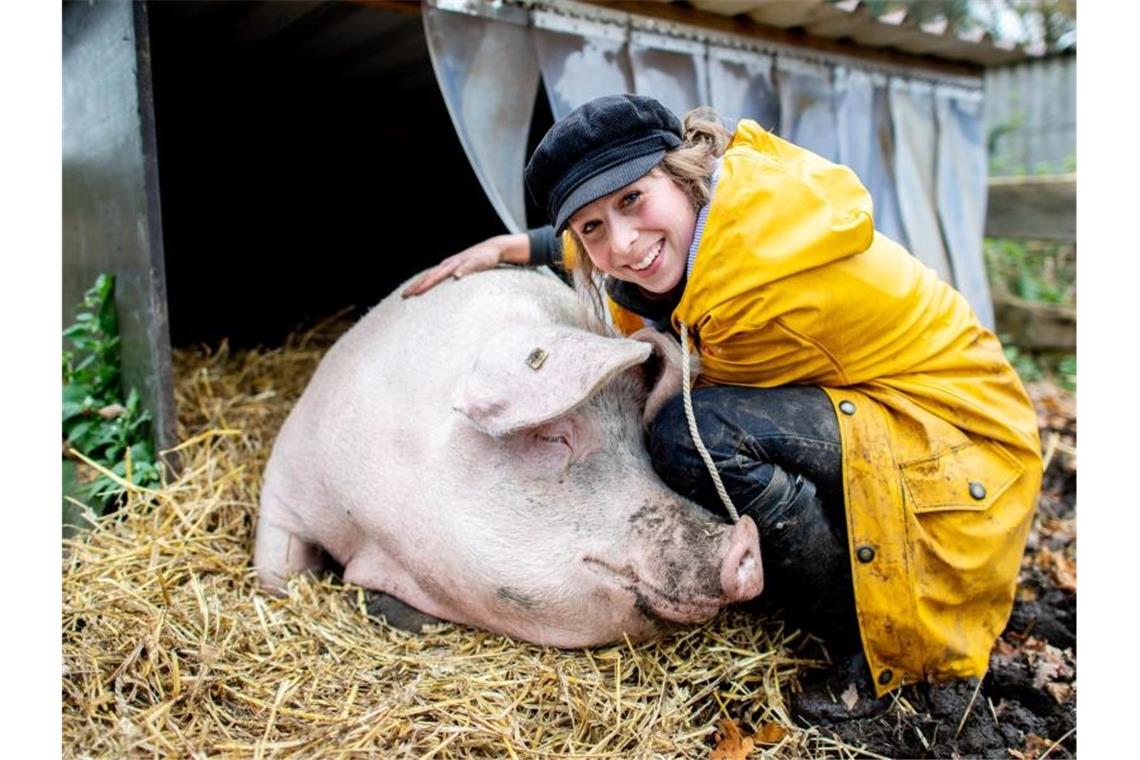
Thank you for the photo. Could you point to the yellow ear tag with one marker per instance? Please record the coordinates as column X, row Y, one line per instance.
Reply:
column 536, row 358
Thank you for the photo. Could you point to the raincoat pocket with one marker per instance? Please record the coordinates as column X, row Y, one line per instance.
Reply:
column 971, row 476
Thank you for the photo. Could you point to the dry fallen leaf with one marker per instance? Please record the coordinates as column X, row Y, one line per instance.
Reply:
column 731, row 743
column 111, row 411
column 1004, row 650
column 1063, row 569
column 1062, row 531
column 1048, row 662
column 1035, row 746
column 770, row 733
column 1061, row 692
column 849, row 696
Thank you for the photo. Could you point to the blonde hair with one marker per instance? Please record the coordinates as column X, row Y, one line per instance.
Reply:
column 690, row 165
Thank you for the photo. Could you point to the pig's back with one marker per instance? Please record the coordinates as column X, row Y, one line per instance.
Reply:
column 379, row 406
column 418, row 349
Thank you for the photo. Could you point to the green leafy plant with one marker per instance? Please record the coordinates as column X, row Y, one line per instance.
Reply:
column 1067, row 371
column 1024, row 364
column 1041, row 272
column 1036, row 271
column 109, row 430
column 1055, row 366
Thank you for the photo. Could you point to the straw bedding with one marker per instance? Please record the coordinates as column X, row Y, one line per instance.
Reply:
column 169, row 649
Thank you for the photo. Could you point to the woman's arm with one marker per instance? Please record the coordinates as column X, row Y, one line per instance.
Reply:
column 532, row 248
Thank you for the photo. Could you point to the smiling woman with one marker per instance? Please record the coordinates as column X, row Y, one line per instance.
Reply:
column 640, row 233
column 830, row 361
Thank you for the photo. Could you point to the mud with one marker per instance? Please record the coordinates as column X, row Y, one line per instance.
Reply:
column 1025, row 706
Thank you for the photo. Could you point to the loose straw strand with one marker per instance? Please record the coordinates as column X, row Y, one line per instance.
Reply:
column 687, row 395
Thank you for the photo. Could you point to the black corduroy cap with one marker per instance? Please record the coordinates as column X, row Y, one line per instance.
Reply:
column 599, row 147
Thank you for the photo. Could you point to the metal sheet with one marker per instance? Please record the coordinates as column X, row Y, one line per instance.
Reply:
column 865, row 143
column 853, row 20
column 111, row 211
column 741, row 86
column 962, row 193
column 807, row 108
column 580, row 62
column 672, row 70
column 488, row 74
column 912, row 114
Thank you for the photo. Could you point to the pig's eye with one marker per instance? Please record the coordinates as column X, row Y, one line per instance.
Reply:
column 554, row 439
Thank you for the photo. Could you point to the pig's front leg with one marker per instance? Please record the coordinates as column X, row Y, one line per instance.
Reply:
column 279, row 554
column 397, row 613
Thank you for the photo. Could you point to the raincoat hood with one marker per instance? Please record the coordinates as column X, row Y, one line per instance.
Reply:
column 805, row 210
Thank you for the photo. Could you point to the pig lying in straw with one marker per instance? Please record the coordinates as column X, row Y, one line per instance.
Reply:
column 477, row 453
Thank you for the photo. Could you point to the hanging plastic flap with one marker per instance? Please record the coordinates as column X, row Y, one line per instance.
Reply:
column 488, row 74
column 962, row 192
column 670, row 69
column 580, row 60
column 864, row 131
column 741, row 86
column 854, row 105
column 912, row 114
column 807, row 111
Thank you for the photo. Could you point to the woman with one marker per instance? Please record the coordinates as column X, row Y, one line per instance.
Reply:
column 851, row 401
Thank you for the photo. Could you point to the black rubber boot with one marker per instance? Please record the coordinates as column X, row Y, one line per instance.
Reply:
column 805, row 554
column 806, row 565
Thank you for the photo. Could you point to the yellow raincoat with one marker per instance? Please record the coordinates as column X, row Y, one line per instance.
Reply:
column 941, row 456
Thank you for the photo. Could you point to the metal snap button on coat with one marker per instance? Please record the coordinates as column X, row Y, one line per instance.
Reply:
column 865, row 554
column 977, row 490
column 847, row 407
column 886, row 676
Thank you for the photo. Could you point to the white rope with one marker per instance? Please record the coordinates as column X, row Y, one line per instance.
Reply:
column 687, row 395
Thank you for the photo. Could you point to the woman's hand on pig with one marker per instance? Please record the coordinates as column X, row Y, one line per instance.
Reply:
column 501, row 249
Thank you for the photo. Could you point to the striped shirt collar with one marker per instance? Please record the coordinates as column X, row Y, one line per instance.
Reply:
column 702, row 217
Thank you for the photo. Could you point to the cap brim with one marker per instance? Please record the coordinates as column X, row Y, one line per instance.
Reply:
column 604, row 183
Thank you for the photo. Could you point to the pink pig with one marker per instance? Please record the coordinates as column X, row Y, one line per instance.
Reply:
column 477, row 453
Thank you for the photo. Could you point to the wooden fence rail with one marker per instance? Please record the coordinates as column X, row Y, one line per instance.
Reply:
column 1034, row 208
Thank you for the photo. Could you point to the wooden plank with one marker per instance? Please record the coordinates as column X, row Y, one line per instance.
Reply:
column 1036, row 326
column 1033, row 208
column 111, row 208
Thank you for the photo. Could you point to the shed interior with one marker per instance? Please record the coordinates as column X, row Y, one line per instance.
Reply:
column 306, row 161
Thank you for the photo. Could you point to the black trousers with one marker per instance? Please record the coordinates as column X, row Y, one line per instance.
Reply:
column 778, row 454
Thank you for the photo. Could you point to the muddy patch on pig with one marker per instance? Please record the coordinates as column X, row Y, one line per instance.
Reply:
column 516, row 597
column 1025, row 707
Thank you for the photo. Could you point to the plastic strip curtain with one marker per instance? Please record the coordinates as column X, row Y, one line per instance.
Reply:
column 741, row 86
column 672, row 70
column 961, row 194
column 580, row 60
column 488, row 75
column 912, row 113
column 865, row 143
column 807, row 112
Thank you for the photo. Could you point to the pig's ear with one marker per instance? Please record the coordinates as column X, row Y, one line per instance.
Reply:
column 664, row 375
column 526, row 376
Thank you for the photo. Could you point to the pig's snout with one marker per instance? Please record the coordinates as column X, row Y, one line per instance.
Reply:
column 741, row 574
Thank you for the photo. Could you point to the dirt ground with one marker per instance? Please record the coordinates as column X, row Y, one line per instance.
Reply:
column 1026, row 705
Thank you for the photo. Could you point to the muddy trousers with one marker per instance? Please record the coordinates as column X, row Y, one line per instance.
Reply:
column 778, row 454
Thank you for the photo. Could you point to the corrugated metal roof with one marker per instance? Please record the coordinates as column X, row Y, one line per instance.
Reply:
column 851, row 19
